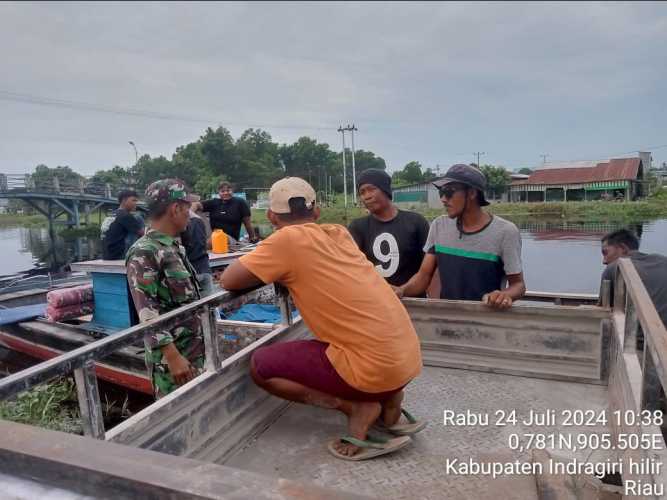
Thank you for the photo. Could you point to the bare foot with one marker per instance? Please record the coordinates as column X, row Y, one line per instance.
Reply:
column 360, row 417
column 391, row 409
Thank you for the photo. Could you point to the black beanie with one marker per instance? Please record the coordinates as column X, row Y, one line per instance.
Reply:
column 378, row 178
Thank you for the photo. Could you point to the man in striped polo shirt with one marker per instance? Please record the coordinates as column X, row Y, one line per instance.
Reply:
column 477, row 254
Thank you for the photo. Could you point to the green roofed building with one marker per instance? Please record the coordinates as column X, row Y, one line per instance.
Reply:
column 424, row 194
column 618, row 178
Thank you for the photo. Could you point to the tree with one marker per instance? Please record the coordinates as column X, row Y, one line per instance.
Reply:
column 219, row 151
column 43, row 177
column 207, row 185
column 525, row 171
column 258, row 162
column 429, row 175
column 312, row 161
column 117, row 176
column 253, row 160
column 411, row 174
column 189, row 163
column 148, row 170
column 363, row 160
column 497, row 180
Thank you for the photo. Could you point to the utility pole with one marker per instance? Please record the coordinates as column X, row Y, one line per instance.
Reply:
column 354, row 171
column 544, row 159
column 478, row 154
column 342, row 131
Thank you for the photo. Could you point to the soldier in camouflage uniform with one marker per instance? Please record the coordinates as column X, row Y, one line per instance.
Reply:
column 161, row 279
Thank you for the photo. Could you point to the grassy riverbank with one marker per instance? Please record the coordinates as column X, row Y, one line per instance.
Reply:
column 13, row 220
column 588, row 211
column 583, row 211
column 22, row 220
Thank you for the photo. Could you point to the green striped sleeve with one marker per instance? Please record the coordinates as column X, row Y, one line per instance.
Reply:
column 460, row 252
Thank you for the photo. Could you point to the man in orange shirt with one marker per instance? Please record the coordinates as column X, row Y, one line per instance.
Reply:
column 366, row 350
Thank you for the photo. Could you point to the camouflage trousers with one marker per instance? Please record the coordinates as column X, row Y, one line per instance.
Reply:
column 189, row 346
column 163, row 382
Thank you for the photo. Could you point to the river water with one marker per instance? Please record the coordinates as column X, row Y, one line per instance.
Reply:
column 558, row 257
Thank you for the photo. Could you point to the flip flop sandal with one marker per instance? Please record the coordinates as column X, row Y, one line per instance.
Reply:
column 413, row 426
column 369, row 448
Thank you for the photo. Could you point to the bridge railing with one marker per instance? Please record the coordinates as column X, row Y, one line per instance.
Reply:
column 19, row 183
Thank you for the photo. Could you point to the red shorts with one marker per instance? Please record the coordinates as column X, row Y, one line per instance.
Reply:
column 306, row 362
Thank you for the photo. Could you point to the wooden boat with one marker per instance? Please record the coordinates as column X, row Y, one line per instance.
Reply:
column 221, row 437
column 44, row 340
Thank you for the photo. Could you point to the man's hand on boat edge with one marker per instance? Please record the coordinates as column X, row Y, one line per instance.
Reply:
column 398, row 290
column 497, row 300
column 179, row 367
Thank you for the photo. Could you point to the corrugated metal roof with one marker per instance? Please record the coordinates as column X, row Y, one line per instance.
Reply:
column 570, row 164
column 612, row 170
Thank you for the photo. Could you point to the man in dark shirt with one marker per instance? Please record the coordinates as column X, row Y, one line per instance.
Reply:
column 652, row 268
column 228, row 212
column 124, row 230
column 194, row 240
column 392, row 239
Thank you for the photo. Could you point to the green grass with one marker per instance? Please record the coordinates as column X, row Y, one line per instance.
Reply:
column 22, row 220
column 582, row 211
column 51, row 405
column 587, row 211
column 38, row 220
column 335, row 214
column 85, row 231
column 54, row 405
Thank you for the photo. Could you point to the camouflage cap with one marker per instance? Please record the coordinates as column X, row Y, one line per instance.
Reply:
column 165, row 191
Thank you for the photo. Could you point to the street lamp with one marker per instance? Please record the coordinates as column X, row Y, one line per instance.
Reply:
column 136, row 155
column 136, row 162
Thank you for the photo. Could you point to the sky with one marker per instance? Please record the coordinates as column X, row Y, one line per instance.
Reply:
column 429, row 82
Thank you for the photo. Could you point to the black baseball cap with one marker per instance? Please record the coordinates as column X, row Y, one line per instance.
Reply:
column 468, row 175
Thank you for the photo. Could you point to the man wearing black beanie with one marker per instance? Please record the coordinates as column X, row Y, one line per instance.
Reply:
column 392, row 239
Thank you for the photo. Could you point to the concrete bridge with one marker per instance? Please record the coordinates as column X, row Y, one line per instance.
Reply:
column 53, row 198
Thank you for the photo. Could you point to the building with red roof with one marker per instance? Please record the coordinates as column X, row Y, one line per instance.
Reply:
column 584, row 180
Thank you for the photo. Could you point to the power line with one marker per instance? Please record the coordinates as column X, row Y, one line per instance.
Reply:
column 6, row 95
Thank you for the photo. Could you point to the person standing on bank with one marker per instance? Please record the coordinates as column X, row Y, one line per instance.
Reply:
column 392, row 239
column 195, row 242
column 477, row 254
column 228, row 213
column 125, row 229
column 162, row 279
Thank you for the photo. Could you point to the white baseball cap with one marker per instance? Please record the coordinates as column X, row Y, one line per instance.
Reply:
column 285, row 189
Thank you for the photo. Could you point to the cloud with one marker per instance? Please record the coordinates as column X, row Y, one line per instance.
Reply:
column 423, row 81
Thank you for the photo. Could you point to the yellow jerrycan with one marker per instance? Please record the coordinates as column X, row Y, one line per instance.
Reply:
column 219, row 241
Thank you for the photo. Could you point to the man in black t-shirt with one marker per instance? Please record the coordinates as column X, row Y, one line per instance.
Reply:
column 392, row 239
column 194, row 240
column 124, row 230
column 228, row 212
